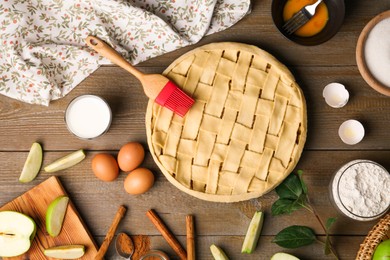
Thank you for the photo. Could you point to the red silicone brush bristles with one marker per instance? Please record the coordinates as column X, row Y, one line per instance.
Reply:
column 173, row 98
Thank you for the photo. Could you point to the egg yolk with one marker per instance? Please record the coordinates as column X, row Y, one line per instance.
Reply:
column 315, row 24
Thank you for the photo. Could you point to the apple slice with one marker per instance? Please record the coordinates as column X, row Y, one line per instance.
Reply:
column 65, row 252
column 283, row 256
column 253, row 233
column 16, row 233
column 55, row 215
column 33, row 163
column 66, row 161
column 218, row 253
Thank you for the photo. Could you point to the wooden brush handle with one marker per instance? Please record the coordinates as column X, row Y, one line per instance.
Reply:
column 108, row 52
column 169, row 237
column 190, row 237
column 111, row 232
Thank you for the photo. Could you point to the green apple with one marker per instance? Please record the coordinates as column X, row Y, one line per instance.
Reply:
column 55, row 215
column 253, row 233
column 218, row 253
column 33, row 163
column 16, row 233
column 65, row 252
column 66, row 161
column 382, row 251
column 283, row 256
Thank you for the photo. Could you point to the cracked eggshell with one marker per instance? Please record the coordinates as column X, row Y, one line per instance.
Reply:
column 351, row 132
column 336, row 95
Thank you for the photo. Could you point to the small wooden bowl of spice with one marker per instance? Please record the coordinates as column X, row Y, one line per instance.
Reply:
column 373, row 53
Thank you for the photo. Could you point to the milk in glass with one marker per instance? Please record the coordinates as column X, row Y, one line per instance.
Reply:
column 88, row 116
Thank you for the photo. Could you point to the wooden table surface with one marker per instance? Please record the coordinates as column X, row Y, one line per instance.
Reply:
column 222, row 224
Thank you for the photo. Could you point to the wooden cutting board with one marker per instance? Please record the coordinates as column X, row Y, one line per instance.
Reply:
column 34, row 204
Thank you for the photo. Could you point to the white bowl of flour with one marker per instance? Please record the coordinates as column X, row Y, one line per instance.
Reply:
column 360, row 190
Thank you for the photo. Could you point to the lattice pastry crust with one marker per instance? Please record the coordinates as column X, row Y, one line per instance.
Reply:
column 245, row 132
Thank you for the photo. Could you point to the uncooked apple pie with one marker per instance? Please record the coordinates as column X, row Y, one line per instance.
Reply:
column 245, row 132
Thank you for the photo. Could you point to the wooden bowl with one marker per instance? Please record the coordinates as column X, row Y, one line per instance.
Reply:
column 336, row 9
column 360, row 58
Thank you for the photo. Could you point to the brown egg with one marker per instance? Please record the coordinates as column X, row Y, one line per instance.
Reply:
column 139, row 181
column 105, row 167
column 130, row 156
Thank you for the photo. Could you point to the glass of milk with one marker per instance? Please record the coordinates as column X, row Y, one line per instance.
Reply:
column 88, row 116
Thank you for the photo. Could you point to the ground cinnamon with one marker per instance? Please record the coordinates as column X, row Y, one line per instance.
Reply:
column 125, row 243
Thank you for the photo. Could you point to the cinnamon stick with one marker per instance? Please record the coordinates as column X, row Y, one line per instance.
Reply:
column 167, row 235
column 111, row 232
column 190, row 237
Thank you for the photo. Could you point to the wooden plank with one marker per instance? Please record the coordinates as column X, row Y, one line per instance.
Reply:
column 346, row 247
column 34, row 203
column 258, row 29
column 97, row 201
column 223, row 224
column 21, row 124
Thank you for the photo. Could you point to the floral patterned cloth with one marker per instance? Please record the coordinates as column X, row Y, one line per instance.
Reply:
column 43, row 55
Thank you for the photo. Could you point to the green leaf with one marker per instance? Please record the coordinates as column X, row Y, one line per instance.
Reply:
column 303, row 184
column 329, row 223
column 283, row 206
column 327, row 246
column 295, row 236
column 290, row 188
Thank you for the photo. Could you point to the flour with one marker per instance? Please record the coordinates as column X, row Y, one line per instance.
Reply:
column 361, row 190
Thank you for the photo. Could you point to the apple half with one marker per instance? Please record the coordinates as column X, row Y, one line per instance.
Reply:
column 16, row 233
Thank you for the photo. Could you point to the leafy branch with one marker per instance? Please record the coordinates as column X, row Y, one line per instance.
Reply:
column 293, row 195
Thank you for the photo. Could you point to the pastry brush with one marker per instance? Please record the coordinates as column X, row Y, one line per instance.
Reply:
column 157, row 87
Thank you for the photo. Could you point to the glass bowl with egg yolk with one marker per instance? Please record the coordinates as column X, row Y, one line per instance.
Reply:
column 320, row 28
column 315, row 24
